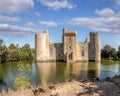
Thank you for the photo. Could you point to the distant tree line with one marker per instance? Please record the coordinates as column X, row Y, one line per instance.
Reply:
column 15, row 53
column 109, row 52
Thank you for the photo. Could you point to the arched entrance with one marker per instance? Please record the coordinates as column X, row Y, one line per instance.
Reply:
column 71, row 56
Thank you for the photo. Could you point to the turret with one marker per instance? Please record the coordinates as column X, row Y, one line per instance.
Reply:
column 94, row 47
column 42, row 46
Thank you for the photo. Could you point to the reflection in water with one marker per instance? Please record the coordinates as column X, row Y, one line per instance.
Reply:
column 9, row 73
column 109, row 68
column 94, row 70
column 45, row 72
column 77, row 71
column 81, row 70
column 97, row 69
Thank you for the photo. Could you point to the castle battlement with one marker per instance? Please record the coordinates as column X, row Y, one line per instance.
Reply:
column 67, row 32
column 69, row 50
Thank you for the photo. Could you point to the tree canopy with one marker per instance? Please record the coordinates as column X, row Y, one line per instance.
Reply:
column 14, row 52
column 109, row 52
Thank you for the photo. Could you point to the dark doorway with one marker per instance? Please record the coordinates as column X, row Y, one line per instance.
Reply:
column 70, row 56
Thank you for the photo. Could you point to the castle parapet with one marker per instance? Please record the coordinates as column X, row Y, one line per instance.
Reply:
column 69, row 32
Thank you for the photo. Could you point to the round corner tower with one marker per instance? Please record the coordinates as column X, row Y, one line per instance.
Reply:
column 37, row 44
column 42, row 46
column 94, row 47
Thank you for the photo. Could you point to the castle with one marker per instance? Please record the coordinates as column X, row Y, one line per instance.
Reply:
column 69, row 50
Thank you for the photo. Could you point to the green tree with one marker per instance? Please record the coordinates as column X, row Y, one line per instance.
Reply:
column 12, row 46
column 14, row 52
column 14, row 55
column 3, row 52
column 108, row 52
column 113, row 53
column 28, row 53
column 118, row 52
column 1, row 41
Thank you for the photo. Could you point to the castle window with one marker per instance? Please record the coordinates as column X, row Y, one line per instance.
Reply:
column 59, row 55
column 82, row 52
column 71, row 56
column 69, row 47
column 96, row 46
column 40, row 52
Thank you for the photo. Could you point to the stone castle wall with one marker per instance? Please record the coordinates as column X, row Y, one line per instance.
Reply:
column 69, row 50
column 59, row 51
column 52, row 56
column 82, row 51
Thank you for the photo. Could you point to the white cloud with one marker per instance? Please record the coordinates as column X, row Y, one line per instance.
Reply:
column 101, row 24
column 117, row 2
column 15, row 6
column 16, row 29
column 30, row 24
column 9, row 19
column 37, row 13
column 49, row 23
column 57, row 4
column 19, row 34
column 105, row 12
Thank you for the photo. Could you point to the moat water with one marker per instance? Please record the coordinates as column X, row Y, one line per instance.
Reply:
column 49, row 73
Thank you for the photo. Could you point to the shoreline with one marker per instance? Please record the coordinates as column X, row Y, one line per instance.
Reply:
column 73, row 88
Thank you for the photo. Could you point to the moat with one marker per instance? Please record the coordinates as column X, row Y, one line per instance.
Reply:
column 47, row 73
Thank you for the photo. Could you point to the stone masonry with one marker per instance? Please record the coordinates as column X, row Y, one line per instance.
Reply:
column 69, row 50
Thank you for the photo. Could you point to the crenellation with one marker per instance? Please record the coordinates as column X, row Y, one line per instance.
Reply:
column 69, row 50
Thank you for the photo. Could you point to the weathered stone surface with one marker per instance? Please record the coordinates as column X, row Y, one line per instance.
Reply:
column 69, row 50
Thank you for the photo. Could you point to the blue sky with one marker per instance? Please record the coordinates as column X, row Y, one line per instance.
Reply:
column 20, row 20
